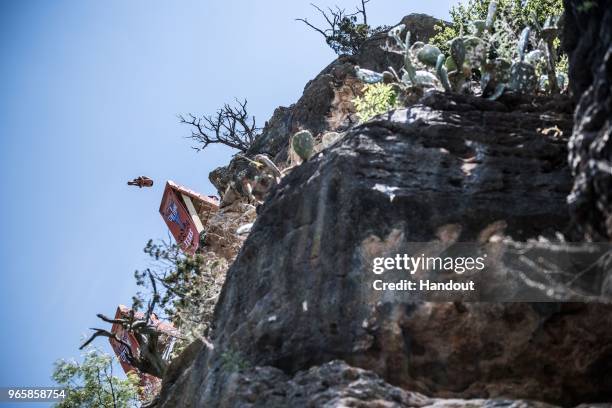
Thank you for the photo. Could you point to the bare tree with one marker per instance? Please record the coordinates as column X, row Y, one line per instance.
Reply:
column 362, row 11
column 149, row 358
column 231, row 126
column 346, row 32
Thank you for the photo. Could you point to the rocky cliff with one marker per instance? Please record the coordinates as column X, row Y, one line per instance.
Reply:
column 588, row 41
column 297, row 323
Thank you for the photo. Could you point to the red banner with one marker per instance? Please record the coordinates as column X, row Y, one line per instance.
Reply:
column 150, row 384
column 179, row 221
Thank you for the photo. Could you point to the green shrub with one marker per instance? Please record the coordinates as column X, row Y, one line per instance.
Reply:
column 377, row 98
column 92, row 384
column 515, row 12
column 189, row 288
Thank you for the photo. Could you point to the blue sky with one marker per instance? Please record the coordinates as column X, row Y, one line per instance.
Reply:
column 89, row 93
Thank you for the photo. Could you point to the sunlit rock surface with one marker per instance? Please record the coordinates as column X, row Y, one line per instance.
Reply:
column 297, row 323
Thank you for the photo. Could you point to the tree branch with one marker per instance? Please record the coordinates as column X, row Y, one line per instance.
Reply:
column 149, row 359
column 346, row 32
column 323, row 33
column 229, row 126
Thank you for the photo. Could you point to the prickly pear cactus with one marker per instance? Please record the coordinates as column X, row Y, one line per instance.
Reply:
column 495, row 73
column 561, row 81
column 442, row 73
column 534, row 57
column 450, row 64
column 408, row 65
column 428, row 55
column 425, row 78
column 475, row 52
column 303, row 144
column 459, row 70
column 477, row 27
column 491, row 14
column 550, row 30
column 523, row 42
column 457, row 49
column 523, row 78
column 491, row 50
column 414, row 48
column 544, row 83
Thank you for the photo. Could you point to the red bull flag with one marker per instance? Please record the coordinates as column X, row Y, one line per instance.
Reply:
column 150, row 384
column 186, row 214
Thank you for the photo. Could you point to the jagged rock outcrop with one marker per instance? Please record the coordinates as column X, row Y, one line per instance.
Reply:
column 588, row 41
column 336, row 384
column 326, row 102
column 299, row 294
column 221, row 237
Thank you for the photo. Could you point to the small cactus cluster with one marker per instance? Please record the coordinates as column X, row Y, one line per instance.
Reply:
column 303, row 144
column 469, row 53
column 488, row 51
column 524, row 73
column 552, row 81
column 416, row 56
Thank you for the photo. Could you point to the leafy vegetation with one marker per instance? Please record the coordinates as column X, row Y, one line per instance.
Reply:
column 377, row 98
column 516, row 13
column 189, row 289
column 503, row 39
column 92, row 384
column 487, row 57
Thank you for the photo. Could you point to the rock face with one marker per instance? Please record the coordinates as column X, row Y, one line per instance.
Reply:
column 298, row 324
column 326, row 102
column 588, row 42
column 220, row 234
column 299, row 294
column 335, row 384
